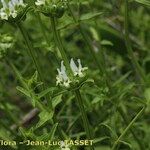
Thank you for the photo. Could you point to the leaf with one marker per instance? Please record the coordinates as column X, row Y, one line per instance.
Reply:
column 126, row 144
column 122, row 78
column 86, row 81
column 147, row 95
column 26, row 133
column 51, row 135
column 45, row 92
column 98, row 140
column 33, row 79
column 144, row 2
column 28, row 94
column 44, row 117
column 94, row 33
column 96, row 100
column 109, row 130
column 48, row 136
column 56, row 100
column 19, row 76
column 89, row 16
column 23, row 90
column 106, row 42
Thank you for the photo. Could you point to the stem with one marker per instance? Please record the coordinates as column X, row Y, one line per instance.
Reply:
column 59, row 44
column 87, row 41
column 101, row 64
column 42, row 28
column 44, row 33
column 90, row 47
column 38, row 104
column 30, row 49
column 125, row 118
column 84, row 116
column 129, row 47
column 128, row 128
column 31, row 52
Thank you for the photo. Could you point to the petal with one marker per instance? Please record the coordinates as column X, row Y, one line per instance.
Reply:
column 80, row 66
column 73, row 66
column 63, row 68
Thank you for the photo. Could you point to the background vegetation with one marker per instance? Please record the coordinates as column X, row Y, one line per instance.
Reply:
column 111, row 37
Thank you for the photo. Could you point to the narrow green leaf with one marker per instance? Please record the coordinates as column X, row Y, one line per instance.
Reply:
column 144, row 2
column 44, row 117
column 89, row 16
column 126, row 144
column 147, row 95
column 53, row 130
column 56, row 100
column 96, row 100
column 23, row 90
column 98, row 140
column 19, row 76
column 106, row 42
column 45, row 92
column 48, row 136
column 122, row 78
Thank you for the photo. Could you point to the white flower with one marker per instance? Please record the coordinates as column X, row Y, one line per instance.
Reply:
column 3, row 14
column 10, row 8
column 40, row 2
column 77, row 70
column 62, row 78
column 64, row 146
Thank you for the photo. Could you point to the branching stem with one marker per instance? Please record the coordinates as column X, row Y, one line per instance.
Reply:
column 84, row 116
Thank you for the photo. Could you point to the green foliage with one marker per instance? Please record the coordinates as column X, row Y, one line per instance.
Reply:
column 109, row 103
column 144, row 2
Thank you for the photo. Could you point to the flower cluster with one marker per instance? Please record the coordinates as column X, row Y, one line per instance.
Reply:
column 64, row 146
column 62, row 78
column 11, row 8
column 51, row 8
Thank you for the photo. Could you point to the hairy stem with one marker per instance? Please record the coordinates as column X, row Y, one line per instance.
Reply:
column 84, row 116
column 44, row 34
column 31, row 52
column 59, row 43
